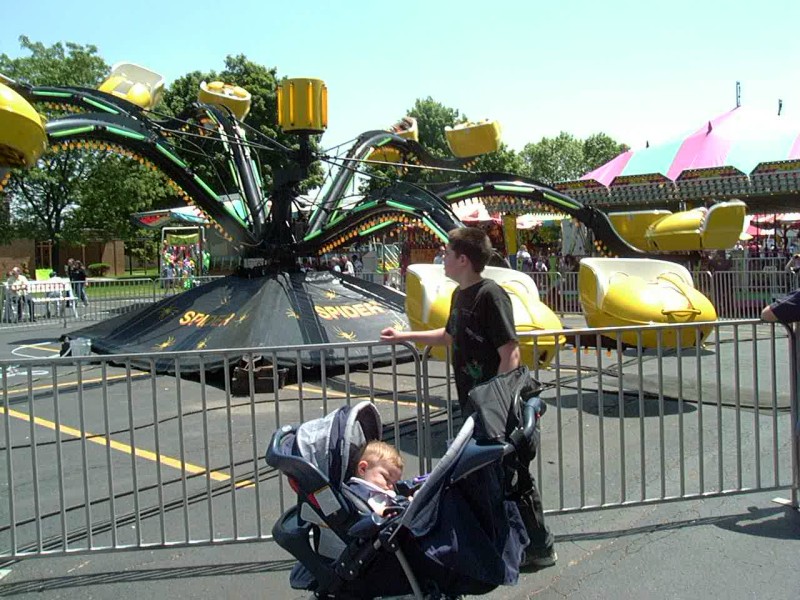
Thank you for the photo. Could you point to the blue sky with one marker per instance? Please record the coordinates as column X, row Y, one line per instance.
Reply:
column 638, row 71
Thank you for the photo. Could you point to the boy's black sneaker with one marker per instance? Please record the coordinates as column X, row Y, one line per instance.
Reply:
column 537, row 560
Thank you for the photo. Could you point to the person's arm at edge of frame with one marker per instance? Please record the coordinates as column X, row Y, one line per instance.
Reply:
column 432, row 337
column 767, row 315
column 509, row 357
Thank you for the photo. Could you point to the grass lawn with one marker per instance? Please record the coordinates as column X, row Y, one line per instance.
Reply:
column 153, row 272
column 122, row 288
column 131, row 288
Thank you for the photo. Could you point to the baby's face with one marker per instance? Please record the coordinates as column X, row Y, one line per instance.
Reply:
column 382, row 474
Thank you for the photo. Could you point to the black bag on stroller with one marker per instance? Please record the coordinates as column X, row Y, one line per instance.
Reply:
column 461, row 534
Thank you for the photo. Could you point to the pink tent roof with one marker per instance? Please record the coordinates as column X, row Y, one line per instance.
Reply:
column 741, row 138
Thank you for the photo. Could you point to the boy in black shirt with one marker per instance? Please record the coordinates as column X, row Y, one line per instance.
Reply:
column 480, row 330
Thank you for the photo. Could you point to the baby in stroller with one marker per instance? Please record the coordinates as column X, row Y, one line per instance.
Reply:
column 462, row 534
column 377, row 473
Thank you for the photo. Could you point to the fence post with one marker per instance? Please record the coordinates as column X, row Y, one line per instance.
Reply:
column 794, row 361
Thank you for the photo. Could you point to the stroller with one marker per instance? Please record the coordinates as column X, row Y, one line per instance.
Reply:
column 461, row 534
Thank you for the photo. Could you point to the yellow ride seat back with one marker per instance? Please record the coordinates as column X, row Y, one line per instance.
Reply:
column 635, row 292
column 22, row 135
column 135, row 84
column 678, row 231
column 236, row 98
column 724, row 224
column 429, row 293
column 715, row 228
column 473, row 139
column 632, row 225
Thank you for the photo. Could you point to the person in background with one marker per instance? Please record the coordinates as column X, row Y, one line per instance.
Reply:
column 17, row 285
column 794, row 264
column 541, row 265
column 69, row 266
column 481, row 332
column 347, row 267
column 439, row 258
column 524, row 261
column 358, row 265
column 78, row 279
column 56, row 291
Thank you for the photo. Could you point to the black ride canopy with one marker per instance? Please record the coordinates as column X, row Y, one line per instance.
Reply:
column 282, row 309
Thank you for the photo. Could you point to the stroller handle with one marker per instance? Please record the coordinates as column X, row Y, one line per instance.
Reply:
column 531, row 413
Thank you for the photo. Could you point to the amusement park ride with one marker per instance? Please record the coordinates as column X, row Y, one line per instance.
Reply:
column 269, row 302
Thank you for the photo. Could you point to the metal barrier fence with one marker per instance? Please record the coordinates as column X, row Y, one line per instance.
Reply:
column 559, row 291
column 101, row 299
column 767, row 263
column 743, row 294
column 639, row 422
column 392, row 278
column 735, row 294
column 99, row 456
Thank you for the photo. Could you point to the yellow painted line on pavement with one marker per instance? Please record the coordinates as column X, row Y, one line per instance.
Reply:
column 40, row 347
column 66, row 384
column 337, row 394
column 139, row 452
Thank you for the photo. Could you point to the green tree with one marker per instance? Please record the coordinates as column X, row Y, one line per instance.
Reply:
column 504, row 160
column 432, row 117
column 554, row 159
column 598, row 149
column 565, row 158
column 261, row 123
column 114, row 189
column 41, row 199
column 60, row 64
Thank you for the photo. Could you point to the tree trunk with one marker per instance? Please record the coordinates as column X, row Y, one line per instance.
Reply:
column 56, row 256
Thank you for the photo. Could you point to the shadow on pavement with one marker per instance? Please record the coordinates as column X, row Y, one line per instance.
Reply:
column 630, row 404
column 778, row 523
column 79, row 581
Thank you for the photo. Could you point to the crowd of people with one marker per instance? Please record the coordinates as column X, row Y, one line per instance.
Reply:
column 545, row 260
column 180, row 263
column 349, row 265
column 61, row 291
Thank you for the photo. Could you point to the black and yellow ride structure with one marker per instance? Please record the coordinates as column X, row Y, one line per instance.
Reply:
column 292, row 307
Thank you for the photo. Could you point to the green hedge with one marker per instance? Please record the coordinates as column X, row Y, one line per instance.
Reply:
column 98, row 269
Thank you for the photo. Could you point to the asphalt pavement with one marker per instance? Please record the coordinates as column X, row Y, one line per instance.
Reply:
column 735, row 547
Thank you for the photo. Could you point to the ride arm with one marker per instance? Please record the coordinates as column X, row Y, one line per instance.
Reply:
column 235, row 144
column 119, row 122
column 133, row 136
column 359, row 152
column 386, row 208
column 533, row 195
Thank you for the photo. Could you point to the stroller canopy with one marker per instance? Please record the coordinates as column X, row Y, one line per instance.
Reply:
column 334, row 443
